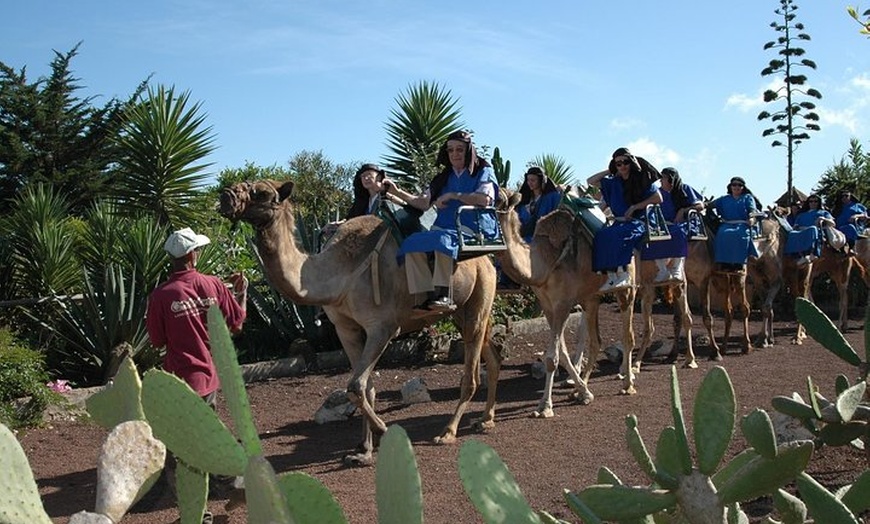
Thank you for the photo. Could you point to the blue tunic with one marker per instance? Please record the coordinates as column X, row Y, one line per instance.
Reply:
column 614, row 245
column 805, row 239
column 547, row 203
column 733, row 243
column 443, row 236
column 849, row 229
column 678, row 245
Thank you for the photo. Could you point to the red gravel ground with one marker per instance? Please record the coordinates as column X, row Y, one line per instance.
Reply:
column 546, row 456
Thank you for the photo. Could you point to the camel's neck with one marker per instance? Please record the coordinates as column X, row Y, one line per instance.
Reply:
column 297, row 275
column 516, row 260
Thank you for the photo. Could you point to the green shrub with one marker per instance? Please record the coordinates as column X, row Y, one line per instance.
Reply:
column 22, row 374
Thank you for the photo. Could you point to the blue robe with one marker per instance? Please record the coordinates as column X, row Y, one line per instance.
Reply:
column 678, row 245
column 849, row 229
column 733, row 243
column 547, row 203
column 614, row 245
column 806, row 238
column 443, row 236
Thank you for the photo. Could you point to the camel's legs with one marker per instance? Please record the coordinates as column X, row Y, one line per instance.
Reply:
column 557, row 354
column 647, row 297
column 360, row 391
column 842, row 282
column 766, row 337
column 743, row 303
column 493, row 368
column 626, row 307
column 707, row 314
column 685, row 315
column 590, row 313
column 473, row 337
column 729, row 311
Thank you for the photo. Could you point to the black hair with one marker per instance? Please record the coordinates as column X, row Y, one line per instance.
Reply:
column 547, row 185
column 361, row 195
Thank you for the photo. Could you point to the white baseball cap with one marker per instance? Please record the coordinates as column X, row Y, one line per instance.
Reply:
column 184, row 241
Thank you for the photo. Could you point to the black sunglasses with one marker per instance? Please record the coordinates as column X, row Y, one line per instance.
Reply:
column 622, row 163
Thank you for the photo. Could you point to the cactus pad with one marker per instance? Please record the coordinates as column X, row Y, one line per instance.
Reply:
column 714, row 418
column 399, row 495
column 309, row 501
column 120, row 401
column 491, row 487
column 19, row 496
column 191, row 486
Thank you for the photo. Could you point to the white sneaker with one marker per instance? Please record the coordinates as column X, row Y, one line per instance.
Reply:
column 622, row 281
column 608, row 284
column 677, row 269
column 664, row 273
column 804, row 260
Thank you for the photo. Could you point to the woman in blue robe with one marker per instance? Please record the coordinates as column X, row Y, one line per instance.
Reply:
column 540, row 196
column 804, row 242
column 850, row 216
column 678, row 199
column 733, row 243
column 627, row 187
column 466, row 180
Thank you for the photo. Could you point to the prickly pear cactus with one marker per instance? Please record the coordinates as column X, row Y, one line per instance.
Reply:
column 399, row 494
column 120, row 400
column 491, row 487
column 846, row 419
column 701, row 493
column 19, row 496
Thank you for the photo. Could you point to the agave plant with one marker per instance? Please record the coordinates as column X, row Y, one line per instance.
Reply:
column 557, row 169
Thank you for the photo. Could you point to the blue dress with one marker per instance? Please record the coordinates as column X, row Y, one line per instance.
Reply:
column 806, row 238
column 443, row 236
column 733, row 243
column 529, row 214
column 849, row 229
column 678, row 245
column 614, row 245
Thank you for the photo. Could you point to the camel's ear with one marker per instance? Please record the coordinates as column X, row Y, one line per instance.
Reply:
column 285, row 190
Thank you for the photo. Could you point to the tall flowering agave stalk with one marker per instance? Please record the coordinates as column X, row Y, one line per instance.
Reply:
column 699, row 492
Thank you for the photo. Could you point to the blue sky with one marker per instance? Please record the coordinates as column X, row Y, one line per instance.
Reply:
column 678, row 82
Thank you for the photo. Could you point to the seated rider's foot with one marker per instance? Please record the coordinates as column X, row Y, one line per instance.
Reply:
column 616, row 281
column 804, row 260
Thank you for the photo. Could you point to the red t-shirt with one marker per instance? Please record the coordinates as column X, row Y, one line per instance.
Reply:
column 178, row 319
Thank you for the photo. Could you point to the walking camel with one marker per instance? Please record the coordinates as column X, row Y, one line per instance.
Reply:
column 558, row 268
column 357, row 280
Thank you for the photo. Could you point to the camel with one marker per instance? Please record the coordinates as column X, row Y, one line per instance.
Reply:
column 838, row 266
column 798, row 281
column 357, row 280
column 766, row 274
column 682, row 315
column 558, row 267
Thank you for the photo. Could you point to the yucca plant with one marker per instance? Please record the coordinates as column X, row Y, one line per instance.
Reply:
column 164, row 143
column 557, row 168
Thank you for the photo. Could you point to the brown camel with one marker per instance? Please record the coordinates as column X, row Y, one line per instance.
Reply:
column 357, row 280
column 766, row 274
column 682, row 315
column 798, row 281
column 838, row 266
column 558, row 267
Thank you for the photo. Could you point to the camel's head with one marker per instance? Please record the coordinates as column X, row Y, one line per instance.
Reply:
column 255, row 202
column 507, row 200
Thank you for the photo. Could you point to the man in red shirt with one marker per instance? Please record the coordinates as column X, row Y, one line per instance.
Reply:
column 177, row 313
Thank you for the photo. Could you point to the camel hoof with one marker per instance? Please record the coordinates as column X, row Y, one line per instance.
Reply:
column 691, row 364
column 482, row 425
column 566, row 384
column 716, row 357
column 542, row 413
column 630, row 390
column 446, row 438
column 583, row 398
column 636, row 368
column 797, row 342
column 746, row 350
column 359, row 460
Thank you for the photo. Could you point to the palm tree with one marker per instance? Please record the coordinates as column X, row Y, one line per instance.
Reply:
column 426, row 114
column 163, row 144
column 559, row 171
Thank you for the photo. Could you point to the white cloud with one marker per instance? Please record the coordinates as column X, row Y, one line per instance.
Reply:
column 845, row 117
column 625, row 124
column 658, row 155
column 745, row 103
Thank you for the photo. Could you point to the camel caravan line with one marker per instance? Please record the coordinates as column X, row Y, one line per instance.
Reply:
column 358, row 280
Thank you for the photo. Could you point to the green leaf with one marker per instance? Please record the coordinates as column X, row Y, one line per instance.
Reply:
column 667, row 455
column 232, row 384
column 120, row 401
column 397, row 480
column 761, row 476
column 758, row 431
column 820, row 327
column 822, row 505
column 849, row 400
column 841, row 434
column 682, row 440
column 309, row 501
column 581, row 509
column 724, row 475
column 841, row 383
column 857, row 498
column 714, row 418
column 263, row 496
column 792, row 408
column 491, row 487
column 606, row 476
column 191, row 486
column 814, row 398
column 623, row 502
column 790, row 508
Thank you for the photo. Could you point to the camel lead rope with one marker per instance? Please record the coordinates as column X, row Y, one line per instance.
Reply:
column 376, row 280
